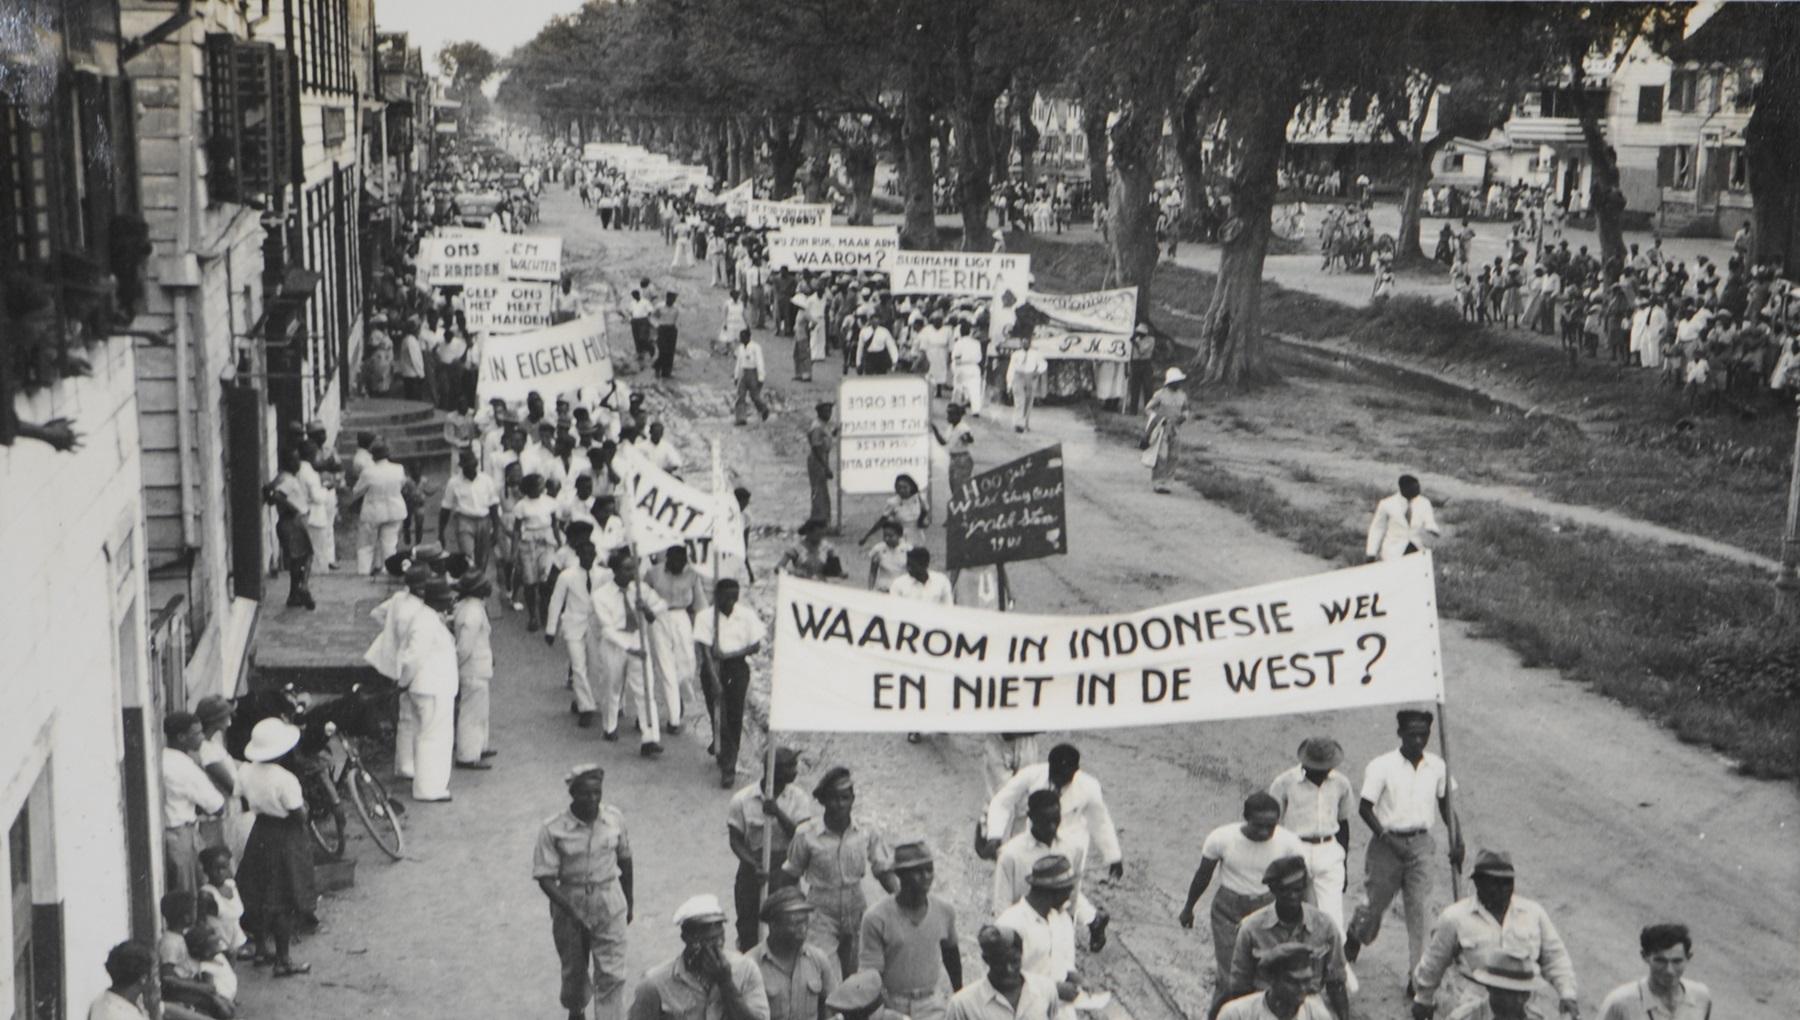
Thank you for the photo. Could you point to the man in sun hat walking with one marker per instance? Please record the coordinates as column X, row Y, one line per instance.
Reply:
column 1316, row 804
column 910, row 939
column 1508, row 981
column 1470, row 931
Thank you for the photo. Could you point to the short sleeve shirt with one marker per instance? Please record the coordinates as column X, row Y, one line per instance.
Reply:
column 1405, row 796
column 907, row 953
column 571, row 850
column 1309, row 809
column 1242, row 860
column 1263, row 930
column 796, row 993
column 671, row 992
column 1636, row 1001
column 833, row 861
column 270, row 789
column 744, row 814
column 1252, row 1007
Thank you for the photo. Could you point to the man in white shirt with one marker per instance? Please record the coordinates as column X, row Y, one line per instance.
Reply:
column 471, row 509
column 626, row 608
column 1083, row 804
column 1042, row 837
column 1400, row 523
column 383, row 509
column 1316, row 803
column 572, row 612
column 922, row 583
column 730, row 633
column 1026, row 370
column 1404, row 794
column 661, row 451
column 1663, row 994
column 1472, row 931
column 425, row 734
column 750, row 371
column 1240, row 854
column 1008, row 991
column 1046, row 931
column 1291, row 994
column 188, row 793
column 966, row 385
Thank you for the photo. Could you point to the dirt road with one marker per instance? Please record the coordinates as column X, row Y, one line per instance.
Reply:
column 1612, row 823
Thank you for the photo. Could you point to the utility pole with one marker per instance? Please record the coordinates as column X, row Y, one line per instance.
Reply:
column 1787, row 578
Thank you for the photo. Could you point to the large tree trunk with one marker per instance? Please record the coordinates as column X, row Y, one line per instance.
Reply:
column 1001, row 124
column 1231, row 335
column 919, row 231
column 1606, row 198
column 738, row 151
column 1409, row 248
column 787, row 143
column 1020, row 101
column 1188, row 126
column 860, row 159
column 816, row 171
column 1136, row 142
column 1772, row 144
column 974, row 171
column 1093, row 126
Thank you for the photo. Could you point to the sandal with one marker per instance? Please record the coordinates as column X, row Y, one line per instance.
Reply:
column 291, row 969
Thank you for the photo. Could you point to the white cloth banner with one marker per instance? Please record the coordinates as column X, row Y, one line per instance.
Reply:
column 834, row 248
column 661, row 510
column 848, row 660
column 448, row 261
column 760, row 212
column 737, row 200
column 561, row 359
column 1091, row 326
column 507, row 306
column 533, row 258
column 884, row 431
column 982, row 273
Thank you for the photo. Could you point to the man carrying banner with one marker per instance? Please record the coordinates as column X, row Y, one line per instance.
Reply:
column 1404, row 793
column 731, row 633
column 626, row 610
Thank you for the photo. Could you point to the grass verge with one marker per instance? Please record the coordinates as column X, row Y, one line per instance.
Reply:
column 1721, row 476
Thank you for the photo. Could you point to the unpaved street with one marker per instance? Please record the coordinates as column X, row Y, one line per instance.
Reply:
column 1612, row 823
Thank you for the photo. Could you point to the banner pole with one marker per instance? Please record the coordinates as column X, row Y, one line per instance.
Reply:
column 1000, row 573
column 1453, row 827
column 768, row 820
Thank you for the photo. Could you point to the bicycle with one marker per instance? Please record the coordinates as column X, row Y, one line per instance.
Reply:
column 374, row 807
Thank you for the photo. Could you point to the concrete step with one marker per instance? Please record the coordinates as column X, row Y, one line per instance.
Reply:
column 391, row 432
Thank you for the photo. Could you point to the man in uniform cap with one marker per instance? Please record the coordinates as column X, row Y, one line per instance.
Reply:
column 583, row 864
column 1504, row 986
column 705, row 981
column 1007, row 991
column 859, row 998
column 1290, row 920
column 1472, row 929
column 909, row 938
column 1316, row 804
column 1287, row 971
column 1046, row 930
column 832, row 852
column 798, row 978
column 760, row 828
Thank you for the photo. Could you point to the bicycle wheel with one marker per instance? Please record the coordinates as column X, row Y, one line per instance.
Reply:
column 327, row 829
column 376, row 811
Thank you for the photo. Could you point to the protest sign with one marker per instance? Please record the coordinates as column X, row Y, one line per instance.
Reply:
column 848, row 660
column 737, row 200
column 834, row 248
column 884, row 431
column 983, row 273
column 507, row 306
column 560, row 359
column 760, row 212
column 661, row 510
column 1011, row 513
column 450, row 261
column 533, row 258
column 1092, row 326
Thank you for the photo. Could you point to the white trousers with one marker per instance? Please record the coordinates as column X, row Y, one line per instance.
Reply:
column 472, row 718
column 625, row 685
column 424, row 741
column 583, row 652
column 679, row 670
column 376, row 537
column 324, row 544
column 967, row 387
column 1325, row 863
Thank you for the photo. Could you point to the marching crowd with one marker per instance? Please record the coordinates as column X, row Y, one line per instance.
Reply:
column 529, row 520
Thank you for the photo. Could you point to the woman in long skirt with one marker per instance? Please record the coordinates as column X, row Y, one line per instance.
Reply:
column 276, row 878
column 1164, row 413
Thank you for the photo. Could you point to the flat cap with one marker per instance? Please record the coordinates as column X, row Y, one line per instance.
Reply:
column 1285, row 871
column 786, row 900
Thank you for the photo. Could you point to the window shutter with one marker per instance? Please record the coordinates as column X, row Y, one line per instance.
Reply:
column 1665, row 167
column 224, row 158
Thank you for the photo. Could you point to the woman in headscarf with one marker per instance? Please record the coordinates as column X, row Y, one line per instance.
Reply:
column 1164, row 413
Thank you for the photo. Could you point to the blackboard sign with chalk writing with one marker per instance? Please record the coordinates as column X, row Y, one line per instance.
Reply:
column 1012, row 513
